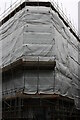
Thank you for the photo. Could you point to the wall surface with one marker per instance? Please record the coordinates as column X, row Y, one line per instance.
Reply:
column 38, row 32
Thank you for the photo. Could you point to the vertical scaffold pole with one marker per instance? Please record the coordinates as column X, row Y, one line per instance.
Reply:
column 38, row 76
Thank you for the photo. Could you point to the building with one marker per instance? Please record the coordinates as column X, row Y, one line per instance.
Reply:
column 39, row 64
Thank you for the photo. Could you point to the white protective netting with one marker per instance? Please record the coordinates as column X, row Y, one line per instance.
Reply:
column 37, row 31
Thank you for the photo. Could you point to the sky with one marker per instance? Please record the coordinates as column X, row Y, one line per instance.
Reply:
column 70, row 8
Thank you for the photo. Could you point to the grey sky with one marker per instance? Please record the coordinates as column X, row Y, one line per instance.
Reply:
column 70, row 7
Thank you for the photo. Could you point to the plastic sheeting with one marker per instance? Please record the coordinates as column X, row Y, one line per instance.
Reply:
column 39, row 32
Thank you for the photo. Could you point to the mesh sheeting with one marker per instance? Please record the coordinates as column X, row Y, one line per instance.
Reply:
column 39, row 32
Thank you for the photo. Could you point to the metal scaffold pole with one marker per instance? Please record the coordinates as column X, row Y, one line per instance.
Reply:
column 38, row 76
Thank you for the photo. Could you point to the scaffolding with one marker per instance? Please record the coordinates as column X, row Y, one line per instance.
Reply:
column 39, row 107
column 19, row 105
column 16, row 103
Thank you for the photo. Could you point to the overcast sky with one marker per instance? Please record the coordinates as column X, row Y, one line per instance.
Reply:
column 70, row 7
